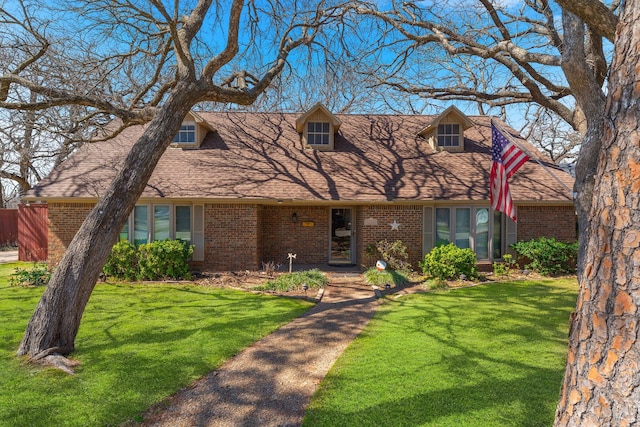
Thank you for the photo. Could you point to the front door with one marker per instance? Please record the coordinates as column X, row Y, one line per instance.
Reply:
column 341, row 241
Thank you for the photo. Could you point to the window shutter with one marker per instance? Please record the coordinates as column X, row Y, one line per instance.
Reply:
column 198, row 233
column 511, row 236
column 427, row 233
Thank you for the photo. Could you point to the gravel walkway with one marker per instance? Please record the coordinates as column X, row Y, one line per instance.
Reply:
column 271, row 382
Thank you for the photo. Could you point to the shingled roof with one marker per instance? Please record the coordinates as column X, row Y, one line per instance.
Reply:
column 259, row 157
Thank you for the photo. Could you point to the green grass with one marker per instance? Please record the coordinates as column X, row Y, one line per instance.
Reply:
column 491, row 355
column 137, row 344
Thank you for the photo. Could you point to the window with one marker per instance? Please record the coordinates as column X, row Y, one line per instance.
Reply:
column 183, row 223
column 318, row 133
column 161, row 222
column 187, row 134
column 124, row 234
column 140, row 225
column 449, row 135
column 470, row 227
column 443, row 226
column 168, row 222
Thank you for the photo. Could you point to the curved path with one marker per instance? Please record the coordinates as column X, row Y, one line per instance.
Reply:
column 271, row 382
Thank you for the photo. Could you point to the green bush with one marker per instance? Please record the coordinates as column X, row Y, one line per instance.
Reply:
column 548, row 256
column 393, row 253
column 447, row 262
column 122, row 263
column 166, row 259
column 505, row 267
column 289, row 281
column 39, row 275
column 380, row 278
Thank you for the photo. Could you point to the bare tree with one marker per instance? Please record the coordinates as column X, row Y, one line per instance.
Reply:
column 600, row 384
column 551, row 134
column 499, row 57
column 32, row 143
column 139, row 62
column 525, row 56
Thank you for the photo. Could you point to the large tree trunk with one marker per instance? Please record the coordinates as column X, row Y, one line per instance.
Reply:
column 602, row 379
column 55, row 322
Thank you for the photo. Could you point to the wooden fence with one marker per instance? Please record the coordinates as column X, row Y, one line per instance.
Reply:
column 8, row 227
column 33, row 228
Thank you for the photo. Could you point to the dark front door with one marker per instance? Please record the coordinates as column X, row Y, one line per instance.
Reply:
column 341, row 241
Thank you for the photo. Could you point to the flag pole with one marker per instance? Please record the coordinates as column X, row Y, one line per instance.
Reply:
column 510, row 138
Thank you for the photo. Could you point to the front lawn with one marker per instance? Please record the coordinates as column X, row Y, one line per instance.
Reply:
column 490, row 355
column 137, row 344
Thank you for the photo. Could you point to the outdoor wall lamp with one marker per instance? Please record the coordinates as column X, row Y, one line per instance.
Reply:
column 294, row 217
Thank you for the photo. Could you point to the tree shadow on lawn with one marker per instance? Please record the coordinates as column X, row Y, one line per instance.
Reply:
column 476, row 404
column 496, row 343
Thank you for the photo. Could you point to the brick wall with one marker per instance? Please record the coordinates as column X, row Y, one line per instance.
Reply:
column 280, row 235
column 558, row 222
column 65, row 220
column 231, row 237
column 373, row 224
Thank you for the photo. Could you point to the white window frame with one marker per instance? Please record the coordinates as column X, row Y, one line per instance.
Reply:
column 448, row 130
column 316, row 133
column 188, row 128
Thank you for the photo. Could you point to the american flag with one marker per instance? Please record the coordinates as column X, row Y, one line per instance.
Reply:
column 507, row 159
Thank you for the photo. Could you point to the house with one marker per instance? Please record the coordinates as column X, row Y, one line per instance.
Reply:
column 246, row 188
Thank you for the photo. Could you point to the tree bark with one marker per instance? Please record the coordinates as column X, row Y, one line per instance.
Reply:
column 602, row 378
column 55, row 322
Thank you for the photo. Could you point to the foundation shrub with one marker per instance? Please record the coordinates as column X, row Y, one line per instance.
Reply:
column 548, row 256
column 166, row 259
column 447, row 262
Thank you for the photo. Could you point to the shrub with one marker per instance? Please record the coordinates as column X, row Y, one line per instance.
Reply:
column 38, row 275
column 122, row 263
column 504, row 268
column 446, row 262
column 166, row 259
column 548, row 256
column 393, row 253
column 289, row 281
column 380, row 278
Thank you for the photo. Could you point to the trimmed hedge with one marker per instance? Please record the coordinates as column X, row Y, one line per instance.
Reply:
column 166, row 259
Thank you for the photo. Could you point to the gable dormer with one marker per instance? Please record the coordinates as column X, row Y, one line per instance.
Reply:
column 446, row 132
column 192, row 131
column 318, row 127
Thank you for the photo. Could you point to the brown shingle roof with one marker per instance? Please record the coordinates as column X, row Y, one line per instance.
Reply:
column 377, row 158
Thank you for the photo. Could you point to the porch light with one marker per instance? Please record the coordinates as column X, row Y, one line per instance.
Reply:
column 294, row 217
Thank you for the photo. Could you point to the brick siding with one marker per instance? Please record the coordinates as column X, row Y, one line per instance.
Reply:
column 65, row 220
column 240, row 237
column 280, row 235
column 231, row 237
column 378, row 220
column 558, row 222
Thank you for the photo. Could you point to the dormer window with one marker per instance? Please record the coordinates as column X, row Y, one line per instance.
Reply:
column 318, row 133
column 446, row 131
column 318, row 128
column 187, row 134
column 448, row 135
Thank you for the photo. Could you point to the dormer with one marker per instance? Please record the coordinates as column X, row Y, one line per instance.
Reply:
column 446, row 132
column 318, row 127
column 192, row 131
